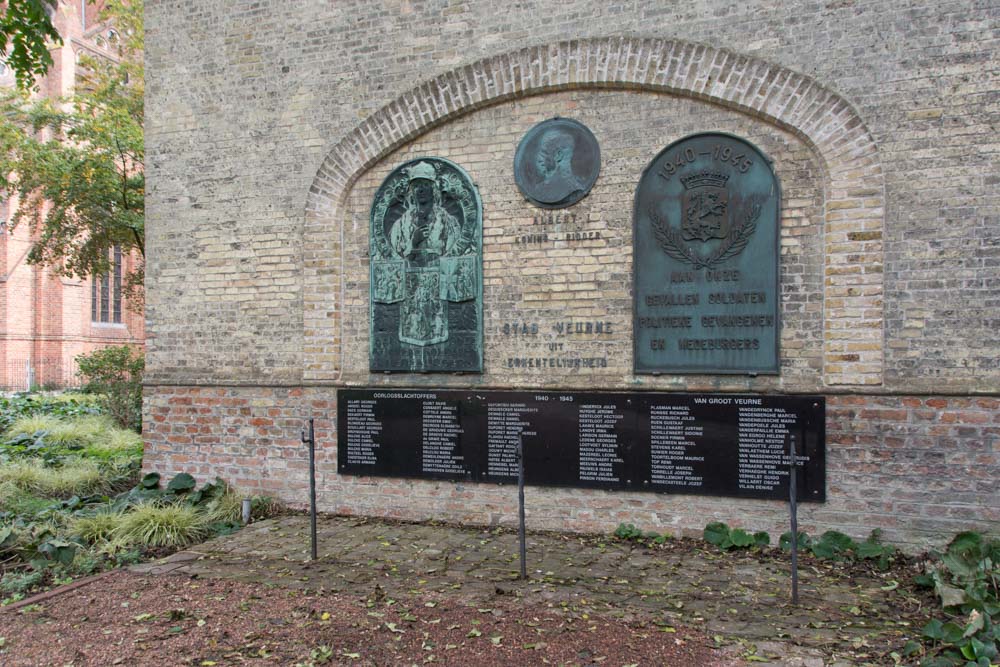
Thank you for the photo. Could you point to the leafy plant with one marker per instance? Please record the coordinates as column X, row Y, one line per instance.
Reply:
column 20, row 582
column 66, row 404
column 726, row 538
column 834, row 545
column 967, row 580
column 72, row 501
column 628, row 531
column 52, row 437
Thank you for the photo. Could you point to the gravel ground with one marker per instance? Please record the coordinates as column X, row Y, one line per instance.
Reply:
column 132, row 619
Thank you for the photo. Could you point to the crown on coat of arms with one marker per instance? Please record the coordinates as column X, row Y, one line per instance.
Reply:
column 421, row 170
column 705, row 178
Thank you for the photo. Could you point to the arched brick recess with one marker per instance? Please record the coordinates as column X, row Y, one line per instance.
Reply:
column 854, row 206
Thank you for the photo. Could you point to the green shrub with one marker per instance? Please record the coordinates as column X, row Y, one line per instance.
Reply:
column 116, row 444
column 116, row 374
column 75, row 433
column 66, row 404
column 227, row 508
column 9, row 493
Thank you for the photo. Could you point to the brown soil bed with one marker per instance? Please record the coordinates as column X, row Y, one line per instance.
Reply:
column 131, row 619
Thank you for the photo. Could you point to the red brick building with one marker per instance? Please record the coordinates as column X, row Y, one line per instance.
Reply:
column 46, row 320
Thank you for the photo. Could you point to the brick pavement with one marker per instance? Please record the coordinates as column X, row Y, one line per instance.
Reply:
column 738, row 598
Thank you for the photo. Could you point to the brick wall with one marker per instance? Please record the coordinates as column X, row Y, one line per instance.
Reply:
column 271, row 124
column 917, row 467
column 574, row 275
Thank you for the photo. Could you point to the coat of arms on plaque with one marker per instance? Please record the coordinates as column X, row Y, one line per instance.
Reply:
column 706, row 206
column 707, row 213
column 426, row 285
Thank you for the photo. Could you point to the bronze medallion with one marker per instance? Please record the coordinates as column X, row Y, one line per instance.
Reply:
column 557, row 163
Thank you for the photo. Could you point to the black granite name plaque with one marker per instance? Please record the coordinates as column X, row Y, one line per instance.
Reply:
column 709, row 444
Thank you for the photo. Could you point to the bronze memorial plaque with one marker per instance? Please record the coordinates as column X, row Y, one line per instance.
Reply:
column 557, row 163
column 426, row 270
column 706, row 259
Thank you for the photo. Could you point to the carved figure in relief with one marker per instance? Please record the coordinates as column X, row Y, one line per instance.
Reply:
column 554, row 163
column 426, row 230
column 458, row 278
column 426, row 240
column 423, row 320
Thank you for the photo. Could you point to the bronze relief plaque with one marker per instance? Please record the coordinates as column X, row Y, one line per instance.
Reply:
column 557, row 163
column 426, row 270
column 705, row 235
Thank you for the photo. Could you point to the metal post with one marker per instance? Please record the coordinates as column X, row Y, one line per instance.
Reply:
column 311, row 441
column 793, row 467
column 520, row 506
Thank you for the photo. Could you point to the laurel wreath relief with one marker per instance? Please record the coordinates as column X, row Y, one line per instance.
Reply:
column 674, row 245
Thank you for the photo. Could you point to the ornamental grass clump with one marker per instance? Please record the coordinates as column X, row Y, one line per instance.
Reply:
column 99, row 527
column 152, row 525
column 117, row 443
column 8, row 493
column 92, row 436
column 76, row 477
column 72, row 433
column 226, row 508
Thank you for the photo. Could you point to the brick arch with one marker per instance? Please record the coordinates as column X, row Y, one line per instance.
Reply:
column 854, row 197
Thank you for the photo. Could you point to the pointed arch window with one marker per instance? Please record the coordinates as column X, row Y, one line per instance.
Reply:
column 106, row 292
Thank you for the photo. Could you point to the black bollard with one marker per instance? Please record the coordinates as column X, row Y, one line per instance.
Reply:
column 793, row 468
column 520, row 507
column 311, row 441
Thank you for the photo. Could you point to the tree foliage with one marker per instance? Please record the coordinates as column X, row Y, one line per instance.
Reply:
column 76, row 165
column 24, row 28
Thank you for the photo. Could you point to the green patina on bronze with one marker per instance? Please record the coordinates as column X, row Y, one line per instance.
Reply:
column 557, row 163
column 426, row 270
column 705, row 250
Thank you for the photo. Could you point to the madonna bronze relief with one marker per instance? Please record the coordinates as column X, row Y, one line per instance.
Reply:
column 426, row 277
column 557, row 163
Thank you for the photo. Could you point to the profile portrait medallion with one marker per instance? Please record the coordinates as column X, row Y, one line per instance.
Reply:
column 557, row 163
